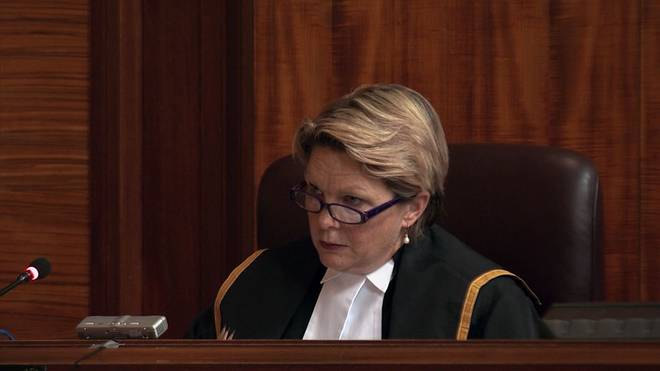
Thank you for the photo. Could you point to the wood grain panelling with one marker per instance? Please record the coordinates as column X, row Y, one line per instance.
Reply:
column 237, row 143
column 595, row 110
column 650, row 164
column 226, row 217
column 191, row 100
column 116, row 157
column 484, row 65
column 172, row 155
column 171, row 158
column 213, row 254
column 562, row 73
column 44, row 198
column 292, row 71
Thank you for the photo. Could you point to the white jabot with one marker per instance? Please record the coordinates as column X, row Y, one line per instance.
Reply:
column 350, row 306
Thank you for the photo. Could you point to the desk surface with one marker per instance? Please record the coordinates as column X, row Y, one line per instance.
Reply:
column 184, row 355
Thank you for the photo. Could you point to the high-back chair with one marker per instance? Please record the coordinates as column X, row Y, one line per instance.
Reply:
column 534, row 210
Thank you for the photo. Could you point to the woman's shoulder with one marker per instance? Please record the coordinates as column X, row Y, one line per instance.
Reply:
column 471, row 267
column 294, row 258
column 452, row 254
column 292, row 253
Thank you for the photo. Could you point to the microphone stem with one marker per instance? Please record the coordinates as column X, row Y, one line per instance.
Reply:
column 23, row 278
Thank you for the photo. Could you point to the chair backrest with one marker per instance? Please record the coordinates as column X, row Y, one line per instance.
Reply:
column 535, row 210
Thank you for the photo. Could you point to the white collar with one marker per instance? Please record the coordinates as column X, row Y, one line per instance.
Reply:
column 379, row 278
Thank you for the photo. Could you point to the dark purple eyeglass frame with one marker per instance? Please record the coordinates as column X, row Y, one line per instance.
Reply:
column 364, row 215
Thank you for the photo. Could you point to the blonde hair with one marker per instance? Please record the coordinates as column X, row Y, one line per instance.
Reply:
column 394, row 132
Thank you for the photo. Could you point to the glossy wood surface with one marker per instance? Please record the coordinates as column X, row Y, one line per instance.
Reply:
column 44, row 168
column 133, row 133
column 116, row 157
column 562, row 73
column 325, row 355
column 650, row 150
column 168, row 180
column 171, row 157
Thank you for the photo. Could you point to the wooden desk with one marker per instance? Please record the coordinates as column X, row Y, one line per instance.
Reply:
column 182, row 355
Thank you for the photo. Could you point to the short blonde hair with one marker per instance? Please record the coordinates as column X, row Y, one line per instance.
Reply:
column 394, row 132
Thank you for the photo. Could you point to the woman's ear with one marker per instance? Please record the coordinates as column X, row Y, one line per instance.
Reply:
column 416, row 208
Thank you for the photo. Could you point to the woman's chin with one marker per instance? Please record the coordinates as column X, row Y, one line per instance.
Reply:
column 333, row 261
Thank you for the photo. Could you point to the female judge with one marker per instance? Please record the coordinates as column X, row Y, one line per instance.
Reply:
column 375, row 265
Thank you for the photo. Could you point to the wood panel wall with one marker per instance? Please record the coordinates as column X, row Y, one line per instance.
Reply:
column 572, row 74
column 650, row 151
column 44, row 170
column 172, row 174
column 133, row 133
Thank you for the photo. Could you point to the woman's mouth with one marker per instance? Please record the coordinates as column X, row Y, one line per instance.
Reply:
column 331, row 246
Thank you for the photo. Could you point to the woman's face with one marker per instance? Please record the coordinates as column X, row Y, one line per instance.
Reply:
column 336, row 178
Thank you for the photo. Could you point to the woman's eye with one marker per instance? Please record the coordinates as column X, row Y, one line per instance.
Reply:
column 352, row 201
column 312, row 189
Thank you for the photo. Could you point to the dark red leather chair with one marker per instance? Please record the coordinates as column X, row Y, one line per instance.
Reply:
column 535, row 210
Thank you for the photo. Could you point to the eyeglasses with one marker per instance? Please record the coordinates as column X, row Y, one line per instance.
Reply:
column 341, row 213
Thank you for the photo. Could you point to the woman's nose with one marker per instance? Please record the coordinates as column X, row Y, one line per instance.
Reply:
column 326, row 220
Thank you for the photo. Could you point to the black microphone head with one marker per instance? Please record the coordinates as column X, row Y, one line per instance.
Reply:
column 38, row 269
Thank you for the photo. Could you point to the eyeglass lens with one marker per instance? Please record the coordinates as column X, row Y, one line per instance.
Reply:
column 338, row 212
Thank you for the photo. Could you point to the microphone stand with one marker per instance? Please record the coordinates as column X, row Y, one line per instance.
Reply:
column 23, row 278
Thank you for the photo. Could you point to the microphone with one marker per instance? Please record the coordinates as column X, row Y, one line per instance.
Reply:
column 38, row 269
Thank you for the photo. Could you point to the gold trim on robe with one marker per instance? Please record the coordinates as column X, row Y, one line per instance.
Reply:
column 221, row 332
column 471, row 298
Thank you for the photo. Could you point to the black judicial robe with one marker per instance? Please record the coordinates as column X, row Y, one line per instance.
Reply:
column 274, row 296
